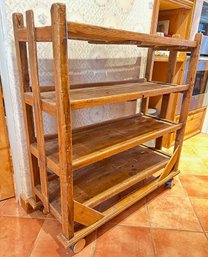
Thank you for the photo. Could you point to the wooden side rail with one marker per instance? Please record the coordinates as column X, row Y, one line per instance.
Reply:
column 96, row 34
column 105, row 159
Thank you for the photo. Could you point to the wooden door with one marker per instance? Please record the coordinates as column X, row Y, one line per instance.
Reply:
column 6, row 174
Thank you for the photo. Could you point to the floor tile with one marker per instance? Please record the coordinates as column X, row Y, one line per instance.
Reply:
column 17, row 236
column 195, row 185
column 2, row 203
column 47, row 244
column 198, row 140
column 202, row 153
column 188, row 151
column 193, row 166
column 12, row 208
column 123, row 241
column 200, row 206
column 136, row 215
column 179, row 243
column 173, row 212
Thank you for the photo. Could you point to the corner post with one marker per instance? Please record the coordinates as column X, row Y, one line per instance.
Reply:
column 187, row 95
column 22, row 65
column 59, row 40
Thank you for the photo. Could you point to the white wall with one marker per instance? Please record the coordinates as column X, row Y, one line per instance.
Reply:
column 87, row 63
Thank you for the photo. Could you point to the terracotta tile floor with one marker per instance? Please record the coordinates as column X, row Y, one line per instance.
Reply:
column 167, row 223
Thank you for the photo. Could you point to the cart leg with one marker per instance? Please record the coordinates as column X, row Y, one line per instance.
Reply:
column 169, row 184
column 78, row 246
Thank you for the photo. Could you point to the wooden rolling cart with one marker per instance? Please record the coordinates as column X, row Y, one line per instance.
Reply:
column 76, row 171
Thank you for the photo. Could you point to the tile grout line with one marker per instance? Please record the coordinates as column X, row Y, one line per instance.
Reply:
column 162, row 228
column 203, row 231
column 33, row 246
column 25, row 217
column 150, row 230
column 4, row 203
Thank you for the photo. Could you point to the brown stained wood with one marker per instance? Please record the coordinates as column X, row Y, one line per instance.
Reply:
column 166, row 103
column 78, row 246
column 93, row 96
column 168, row 168
column 33, row 61
column 22, row 63
column 94, row 163
column 121, row 134
column 145, row 105
column 78, row 31
column 6, row 171
column 46, row 88
column 187, row 96
column 59, row 41
column 102, row 180
column 151, row 54
column 85, row 215
column 116, row 209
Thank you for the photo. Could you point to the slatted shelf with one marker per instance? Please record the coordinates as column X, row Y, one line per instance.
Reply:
column 93, row 96
column 95, row 142
column 97, row 34
column 90, row 165
column 102, row 180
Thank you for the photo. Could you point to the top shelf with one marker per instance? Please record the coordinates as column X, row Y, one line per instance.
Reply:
column 101, row 35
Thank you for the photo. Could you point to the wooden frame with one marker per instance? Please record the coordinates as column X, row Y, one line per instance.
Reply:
column 103, row 165
column 6, row 174
column 180, row 13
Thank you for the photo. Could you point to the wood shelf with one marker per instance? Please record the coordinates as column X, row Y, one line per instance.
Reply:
column 96, row 163
column 93, row 96
column 102, row 35
column 102, row 180
column 95, row 142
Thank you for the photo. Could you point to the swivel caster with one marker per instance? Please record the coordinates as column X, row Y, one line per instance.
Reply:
column 78, row 246
column 45, row 212
column 169, row 184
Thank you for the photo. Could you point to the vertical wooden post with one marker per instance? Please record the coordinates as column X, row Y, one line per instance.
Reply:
column 187, row 95
column 22, row 63
column 151, row 54
column 148, row 75
column 165, row 106
column 59, row 39
column 33, row 61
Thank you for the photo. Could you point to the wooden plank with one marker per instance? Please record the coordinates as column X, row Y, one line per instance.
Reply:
column 170, row 165
column 120, row 135
column 33, row 61
column 85, row 215
column 187, row 96
column 78, row 31
column 165, row 107
column 22, row 63
column 116, row 209
column 107, row 194
column 59, row 41
column 46, row 88
column 94, row 96
column 6, row 173
column 102, row 180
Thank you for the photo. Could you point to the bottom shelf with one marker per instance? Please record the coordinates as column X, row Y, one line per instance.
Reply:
column 110, row 186
column 101, row 181
column 124, row 203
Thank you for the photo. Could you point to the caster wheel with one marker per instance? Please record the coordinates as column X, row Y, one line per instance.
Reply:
column 78, row 246
column 45, row 212
column 169, row 184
